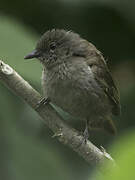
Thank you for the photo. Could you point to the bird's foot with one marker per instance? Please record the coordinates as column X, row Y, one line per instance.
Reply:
column 85, row 135
column 42, row 102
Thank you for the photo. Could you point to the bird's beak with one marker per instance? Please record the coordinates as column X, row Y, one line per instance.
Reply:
column 33, row 54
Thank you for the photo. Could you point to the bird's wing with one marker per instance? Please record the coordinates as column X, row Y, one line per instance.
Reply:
column 103, row 76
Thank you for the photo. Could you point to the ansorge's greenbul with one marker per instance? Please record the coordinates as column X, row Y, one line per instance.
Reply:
column 77, row 79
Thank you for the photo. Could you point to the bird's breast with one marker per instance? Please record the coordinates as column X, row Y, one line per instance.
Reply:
column 73, row 89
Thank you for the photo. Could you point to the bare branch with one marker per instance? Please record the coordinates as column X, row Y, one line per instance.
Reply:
column 51, row 118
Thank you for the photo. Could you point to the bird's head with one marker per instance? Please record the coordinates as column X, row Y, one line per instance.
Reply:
column 57, row 45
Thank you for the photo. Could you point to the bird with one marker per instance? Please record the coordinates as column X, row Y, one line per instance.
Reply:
column 77, row 79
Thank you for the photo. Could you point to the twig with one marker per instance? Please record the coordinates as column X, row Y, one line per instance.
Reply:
column 51, row 118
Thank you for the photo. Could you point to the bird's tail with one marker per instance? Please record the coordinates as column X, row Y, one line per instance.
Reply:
column 109, row 126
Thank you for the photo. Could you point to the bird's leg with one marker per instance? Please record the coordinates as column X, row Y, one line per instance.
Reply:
column 43, row 101
column 86, row 133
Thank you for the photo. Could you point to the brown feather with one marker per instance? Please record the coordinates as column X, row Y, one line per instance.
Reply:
column 103, row 76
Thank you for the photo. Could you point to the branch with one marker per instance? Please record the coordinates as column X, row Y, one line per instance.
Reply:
column 51, row 118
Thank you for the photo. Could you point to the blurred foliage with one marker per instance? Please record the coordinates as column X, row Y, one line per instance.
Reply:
column 124, row 152
column 15, row 43
column 27, row 149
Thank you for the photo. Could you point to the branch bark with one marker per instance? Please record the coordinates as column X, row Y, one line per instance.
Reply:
column 51, row 118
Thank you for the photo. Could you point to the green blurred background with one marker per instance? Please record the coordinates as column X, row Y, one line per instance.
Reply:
column 27, row 150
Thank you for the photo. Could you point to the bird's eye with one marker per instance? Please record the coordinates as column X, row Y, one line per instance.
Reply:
column 52, row 46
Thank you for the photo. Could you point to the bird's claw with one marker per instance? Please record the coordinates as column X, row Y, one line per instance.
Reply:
column 85, row 135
